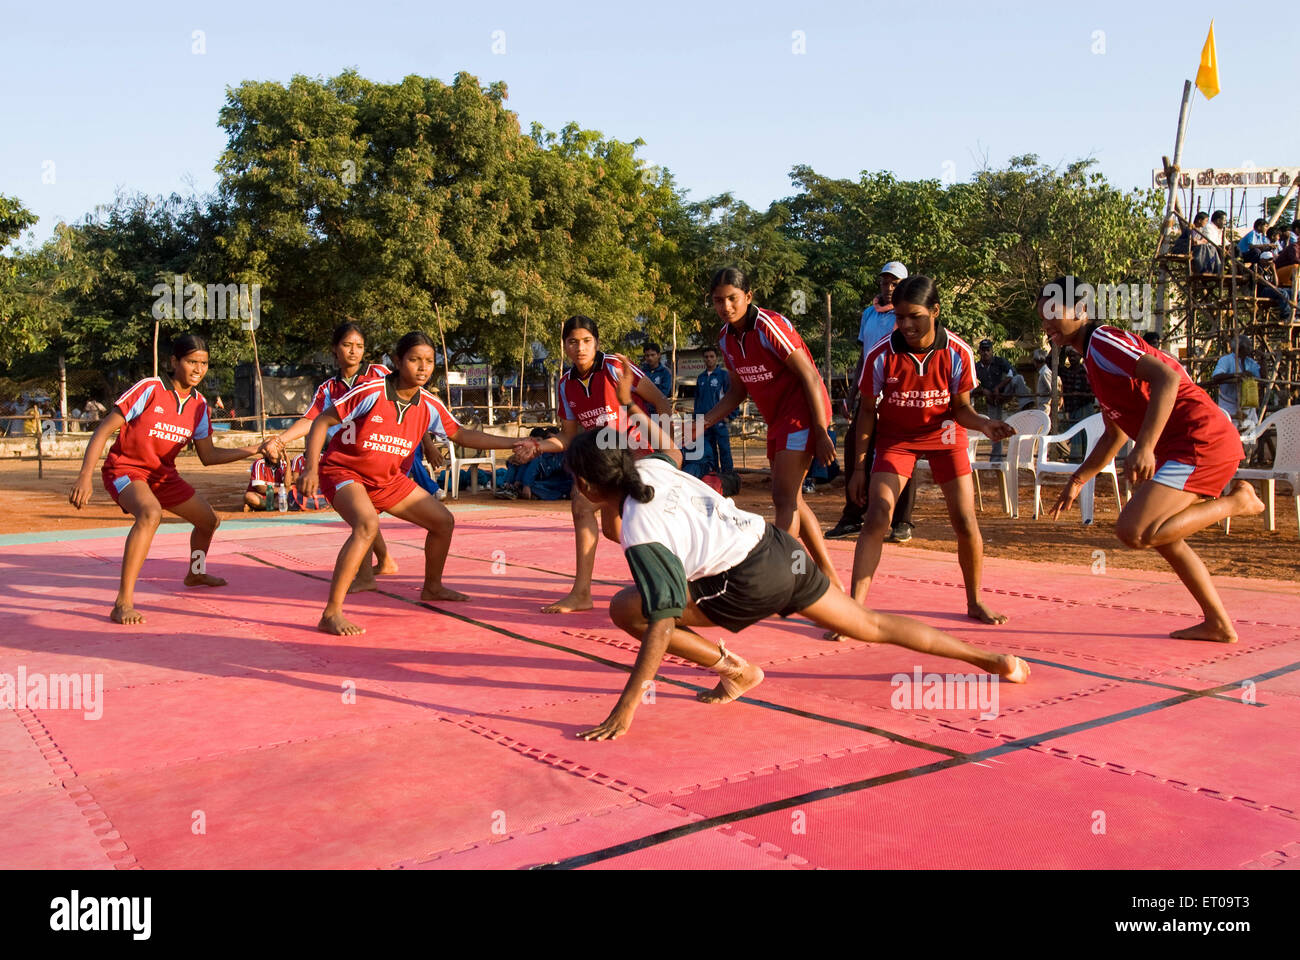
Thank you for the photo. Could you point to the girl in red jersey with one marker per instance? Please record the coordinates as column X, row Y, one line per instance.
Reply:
column 157, row 419
column 923, row 375
column 589, row 394
column 349, row 346
column 1185, row 449
column 772, row 365
column 363, row 471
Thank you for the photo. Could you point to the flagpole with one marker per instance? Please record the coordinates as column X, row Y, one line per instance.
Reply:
column 1171, row 174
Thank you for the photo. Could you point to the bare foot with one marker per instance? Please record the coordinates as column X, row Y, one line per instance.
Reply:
column 570, row 604
column 732, row 685
column 1246, row 499
column 339, row 625
column 203, row 580
column 832, row 635
column 1216, row 632
column 1014, row 670
column 441, row 593
column 362, row 583
column 125, row 613
column 978, row 611
column 386, row 567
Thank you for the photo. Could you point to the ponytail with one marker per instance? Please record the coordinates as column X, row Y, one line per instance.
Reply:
column 602, row 459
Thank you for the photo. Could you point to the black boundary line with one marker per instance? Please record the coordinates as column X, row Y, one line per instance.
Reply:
column 1147, row 683
column 954, row 758
column 796, row 619
column 773, row 806
column 795, row 711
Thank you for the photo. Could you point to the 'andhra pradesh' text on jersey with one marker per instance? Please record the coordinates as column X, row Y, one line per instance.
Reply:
column 1197, row 430
column 387, row 430
column 159, row 423
column 686, row 531
column 917, row 390
column 593, row 400
column 757, row 356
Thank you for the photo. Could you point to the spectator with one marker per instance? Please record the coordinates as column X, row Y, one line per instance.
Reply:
column 1214, row 229
column 1286, row 263
column 1205, row 256
column 710, row 387
column 994, row 375
column 653, row 366
column 877, row 323
column 1077, row 398
column 264, row 482
column 1046, row 382
column 1233, row 370
column 1256, row 247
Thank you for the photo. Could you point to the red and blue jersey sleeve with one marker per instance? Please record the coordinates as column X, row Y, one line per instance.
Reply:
column 203, row 420
column 963, row 368
column 777, row 334
column 442, row 424
column 320, row 402
column 358, row 401
column 134, row 401
column 1116, row 351
column 871, row 381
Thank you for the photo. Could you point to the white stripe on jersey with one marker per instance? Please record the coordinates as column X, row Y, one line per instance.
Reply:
column 773, row 329
column 966, row 355
column 1114, row 341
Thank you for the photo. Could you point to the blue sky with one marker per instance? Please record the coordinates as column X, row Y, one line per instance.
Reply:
column 115, row 97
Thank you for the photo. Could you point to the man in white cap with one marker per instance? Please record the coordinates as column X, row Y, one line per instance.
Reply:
column 877, row 324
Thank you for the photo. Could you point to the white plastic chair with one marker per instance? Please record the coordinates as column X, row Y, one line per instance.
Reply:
column 1286, row 464
column 455, row 463
column 1029, row 425
column 1093, row 428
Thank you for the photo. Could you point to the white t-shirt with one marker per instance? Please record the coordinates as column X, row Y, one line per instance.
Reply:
column 686, row 531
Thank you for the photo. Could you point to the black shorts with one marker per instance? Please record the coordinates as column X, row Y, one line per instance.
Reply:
column 764, row 583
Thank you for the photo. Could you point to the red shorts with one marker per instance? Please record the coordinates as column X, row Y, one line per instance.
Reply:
column 947, row 463
column 1203, row 479
column 789, row 433
column 383, row 496
column 167, row 485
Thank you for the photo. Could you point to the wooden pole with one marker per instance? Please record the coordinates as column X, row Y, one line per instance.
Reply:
column 40, row 452
column 1056, row 388
column 446, row 370
column 523, row 360
column 155, row 348
column 1286, row 198
column 63, row 393
column 828, row 349
column 261, row 394
column 1171, row 174
column 673, row 394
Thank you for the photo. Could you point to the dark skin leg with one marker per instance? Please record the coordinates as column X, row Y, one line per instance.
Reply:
column 1162, row 517
column 586, row 534
column 138, row 500
column 959, row 494
column 205, row 522
column 793, row 515
column 354, row 506
column 424, row 510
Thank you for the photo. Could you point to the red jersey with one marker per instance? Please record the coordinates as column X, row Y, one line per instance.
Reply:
column 159, row 424
column 387, row 430
column 593, row 400
column 336, row 386
column 917, row 390
column 260, row 473
column 757, row 356
column 1197, row 430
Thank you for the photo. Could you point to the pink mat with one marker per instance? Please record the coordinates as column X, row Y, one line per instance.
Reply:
column 445, row 738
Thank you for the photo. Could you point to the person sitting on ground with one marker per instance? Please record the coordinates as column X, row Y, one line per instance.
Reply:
column 266, row 478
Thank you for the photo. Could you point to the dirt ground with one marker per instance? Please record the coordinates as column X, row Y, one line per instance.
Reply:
column 1251, row 550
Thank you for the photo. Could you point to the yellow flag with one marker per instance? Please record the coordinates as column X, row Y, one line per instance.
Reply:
column 1207, row 76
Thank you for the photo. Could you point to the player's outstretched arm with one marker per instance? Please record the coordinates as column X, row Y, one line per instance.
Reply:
column 1141, row 461
column 210, row 454
column 653, row 647
column 81, row 490
column 1107, row 447
column 309, row 481
column 812, row 385
column 965, row 415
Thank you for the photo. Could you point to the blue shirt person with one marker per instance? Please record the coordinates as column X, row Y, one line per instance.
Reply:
column 711, row 386
column 659, row 372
